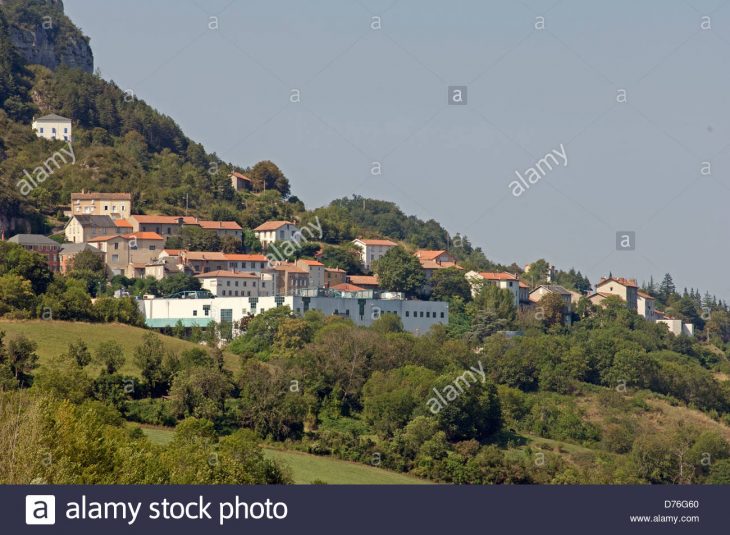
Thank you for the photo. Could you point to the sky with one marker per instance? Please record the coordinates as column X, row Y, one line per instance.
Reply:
column 358, row 97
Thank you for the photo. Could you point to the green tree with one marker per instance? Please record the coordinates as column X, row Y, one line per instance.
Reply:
column 148, row 357
column 21, row 358
column 449, row 283
column 399, row 271
column 110, row 355
column 265, row 175
column 16, row 294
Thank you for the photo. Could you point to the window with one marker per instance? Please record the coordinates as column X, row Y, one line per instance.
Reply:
column 153, row 247
column 106, row 207
column 65, row 130
column 236, row 285
column 407, row 314
column 195, row 312
column 428, row 314
column 116, row 245
column 228, row 283
column 41, row 130
column 53, row 130
column 243, row 265
column 115, row 258
column 206, row 310
column 223, row 293
column 421, row 313
column 442, row 314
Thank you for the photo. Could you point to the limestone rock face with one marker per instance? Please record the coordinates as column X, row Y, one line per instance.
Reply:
column 52, row 42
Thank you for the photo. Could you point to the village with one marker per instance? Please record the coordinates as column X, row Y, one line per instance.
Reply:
column 236, row 285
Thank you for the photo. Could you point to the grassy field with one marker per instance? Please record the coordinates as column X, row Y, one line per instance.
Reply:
column 53, row 338
column 307, row 468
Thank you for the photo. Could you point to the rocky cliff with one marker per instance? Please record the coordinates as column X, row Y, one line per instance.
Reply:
column 42, row 34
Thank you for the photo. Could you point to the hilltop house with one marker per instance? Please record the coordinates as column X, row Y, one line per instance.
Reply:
column 53, row 127
column 545, row 289
column 372, row 250
column 240, row 182
column 115, row 205
column 273, row 231
column 42, row 245
column 127, row 254
column 626, row 289
column 431, row 261
column 645, row 306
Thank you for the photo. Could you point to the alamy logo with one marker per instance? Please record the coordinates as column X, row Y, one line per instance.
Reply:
column 40, row 509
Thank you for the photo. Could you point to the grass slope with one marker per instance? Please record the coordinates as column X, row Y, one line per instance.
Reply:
column 307, row 468
column 53, row 338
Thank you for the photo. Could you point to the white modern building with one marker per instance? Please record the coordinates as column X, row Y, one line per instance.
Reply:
column 677, row 327
column 416, row 316
column 53, row 127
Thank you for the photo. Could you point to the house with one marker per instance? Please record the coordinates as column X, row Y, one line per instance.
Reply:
column 70, row 250
column 164, row 225
column 417, row 316
column 206, row 261
column 677, row 327
column 246, row 262
column 290, row 278
column 645, row 306
column 438, row 256
column 273, row 231
column 334, row 276
column 368, row 282
column 83, row 228
column 128, row 254
column 316, row 272
column 541, row 291
column 161, row 268
column 348, row 288
column 626, row 289
column 238, row 283
column 372, row 250
column 432, row 261
column 42, row 245
column 524, row 294
column 115, row 205
column 503, row 280
column 222, row 228
column 240, row 182
column 53, row 127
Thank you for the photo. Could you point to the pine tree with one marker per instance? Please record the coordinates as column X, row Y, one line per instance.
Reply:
column 666, row 288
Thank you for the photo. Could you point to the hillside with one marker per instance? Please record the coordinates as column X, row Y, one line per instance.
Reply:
column 53, row 337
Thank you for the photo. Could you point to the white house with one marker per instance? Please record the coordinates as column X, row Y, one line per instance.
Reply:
column 372, row 250
column 503, row 280
column 677, row 327
column 645, row 306
column 53, row 127
column 417, row 316
column 273, row 231
column 238, row 283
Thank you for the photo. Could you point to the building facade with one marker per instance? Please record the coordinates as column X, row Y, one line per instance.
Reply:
column 53, row 127
column 42, row 245
column 115, row 205
column 372, row 250
column 417, row 316
column 276, row 231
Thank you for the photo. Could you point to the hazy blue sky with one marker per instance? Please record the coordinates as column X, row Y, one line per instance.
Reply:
column 381, row 95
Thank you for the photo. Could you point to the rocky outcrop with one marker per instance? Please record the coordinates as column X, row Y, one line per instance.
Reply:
column 52, row 42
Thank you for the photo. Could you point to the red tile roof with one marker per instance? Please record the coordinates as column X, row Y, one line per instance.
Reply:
column 246, row 257
column 122, row 223
column 272, row 225
column 204, row 255
column 427, row 254
column 173, row 252
column 241, row 176
column 345, row 287
column 310, row 262
column 503, row 276
column 644, row 295
column 219, row 225
column 164, row 219
column 100, row 195
column 363, row 280
column 225, row 273
column 630, row 283
column 144, row 236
